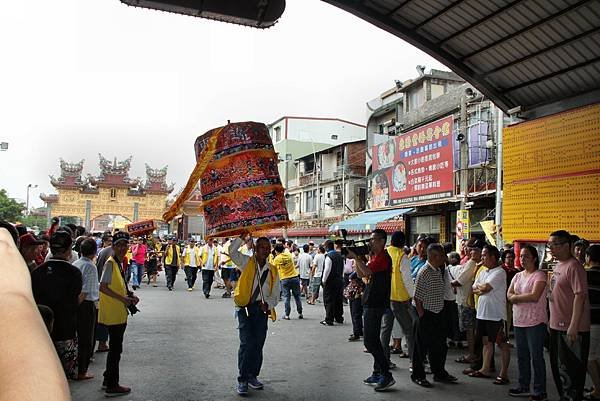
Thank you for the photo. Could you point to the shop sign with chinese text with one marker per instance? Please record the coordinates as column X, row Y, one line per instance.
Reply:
column 415, row 166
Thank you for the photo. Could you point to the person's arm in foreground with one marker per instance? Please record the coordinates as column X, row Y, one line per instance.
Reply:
column 29, row 367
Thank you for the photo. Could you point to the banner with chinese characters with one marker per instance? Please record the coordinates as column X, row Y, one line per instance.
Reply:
column 414, row 166
column 552, row 176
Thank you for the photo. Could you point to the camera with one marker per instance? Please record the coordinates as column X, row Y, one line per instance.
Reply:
column 132, row 309
column 360, row 247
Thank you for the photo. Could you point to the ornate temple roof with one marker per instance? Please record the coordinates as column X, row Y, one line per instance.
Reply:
column 115, row 174
column 156, row 180
column 112, row 174
column 70, row 175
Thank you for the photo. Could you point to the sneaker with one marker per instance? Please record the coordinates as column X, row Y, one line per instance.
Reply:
column 519, row 392
column 190, row 289
column 206, row 296
column 300, row 316
column 242, row 388
column 170, row 288
column 539, row 397
column 372, row 380
column 286, row 317
column 117, row 391
column 385, row 382
column 353, row 337
column 254, row 383
column 392, row 365
column 226, row 295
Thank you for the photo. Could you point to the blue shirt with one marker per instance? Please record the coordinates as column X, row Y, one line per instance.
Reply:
column 416, row 265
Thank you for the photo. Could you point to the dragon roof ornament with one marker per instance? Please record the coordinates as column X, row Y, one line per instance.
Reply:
column 114, row 167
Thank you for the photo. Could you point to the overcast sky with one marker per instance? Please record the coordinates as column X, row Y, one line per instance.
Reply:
column 82, row 77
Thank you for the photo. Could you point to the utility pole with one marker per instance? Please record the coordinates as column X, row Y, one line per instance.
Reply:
column 288, row 157
column 28, row 188
column 464, row 152
column 499, row 178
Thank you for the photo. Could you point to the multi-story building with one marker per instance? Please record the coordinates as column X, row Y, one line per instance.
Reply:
column 329, row 183
column 418, row 132
column 295, row 137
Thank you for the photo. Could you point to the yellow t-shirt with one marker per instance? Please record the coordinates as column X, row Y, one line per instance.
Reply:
column 285, row 265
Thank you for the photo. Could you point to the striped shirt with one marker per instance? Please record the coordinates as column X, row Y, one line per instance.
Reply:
column 429, row 288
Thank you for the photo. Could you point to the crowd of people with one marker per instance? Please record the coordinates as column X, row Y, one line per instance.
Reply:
column 477, row 299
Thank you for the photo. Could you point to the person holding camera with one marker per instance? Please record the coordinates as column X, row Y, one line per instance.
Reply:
column 376, row 300
column 115, row 301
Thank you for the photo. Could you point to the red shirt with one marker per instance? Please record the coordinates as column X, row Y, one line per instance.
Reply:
column 380, row 262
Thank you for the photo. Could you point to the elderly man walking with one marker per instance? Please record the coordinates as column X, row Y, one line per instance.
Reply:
column 428, row 336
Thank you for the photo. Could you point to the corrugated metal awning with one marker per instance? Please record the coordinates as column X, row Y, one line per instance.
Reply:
column 540, row 55
column 367, row 221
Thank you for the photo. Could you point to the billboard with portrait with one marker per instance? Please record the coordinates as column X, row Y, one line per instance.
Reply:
column 415, row 166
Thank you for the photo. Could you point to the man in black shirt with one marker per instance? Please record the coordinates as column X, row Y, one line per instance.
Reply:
column 376, row 299
column 57, row 284
column 333, row 285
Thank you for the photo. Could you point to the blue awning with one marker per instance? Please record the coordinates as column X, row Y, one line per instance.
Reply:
column 368, row 220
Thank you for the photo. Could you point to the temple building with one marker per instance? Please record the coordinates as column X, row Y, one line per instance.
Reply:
column 111, row 199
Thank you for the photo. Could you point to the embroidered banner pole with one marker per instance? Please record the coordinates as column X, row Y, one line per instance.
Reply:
column 236, row 169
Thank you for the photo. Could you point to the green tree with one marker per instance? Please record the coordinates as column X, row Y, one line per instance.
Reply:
column 10, row 209
column 32, row 220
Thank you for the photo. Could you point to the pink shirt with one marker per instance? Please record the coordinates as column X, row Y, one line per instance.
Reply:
column 568, row 279
column 529, row 314
column 138, row 253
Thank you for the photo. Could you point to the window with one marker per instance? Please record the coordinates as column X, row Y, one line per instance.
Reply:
column 310, row 202
column 309, row 165
column 113, row 193
column 277, row 134
column 429, row 225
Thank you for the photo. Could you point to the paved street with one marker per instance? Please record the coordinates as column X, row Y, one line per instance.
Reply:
column 182, row 346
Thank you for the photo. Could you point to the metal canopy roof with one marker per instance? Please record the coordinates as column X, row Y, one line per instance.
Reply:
column 540, row 55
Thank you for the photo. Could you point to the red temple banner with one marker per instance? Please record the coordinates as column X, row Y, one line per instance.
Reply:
column 236, row 168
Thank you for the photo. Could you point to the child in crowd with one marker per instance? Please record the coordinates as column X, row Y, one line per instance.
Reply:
column 353, row 293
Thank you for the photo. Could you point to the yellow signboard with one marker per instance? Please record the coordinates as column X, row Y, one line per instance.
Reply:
column 552, row 176
column 463, row 227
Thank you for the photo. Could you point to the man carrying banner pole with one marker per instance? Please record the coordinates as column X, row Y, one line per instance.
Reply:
column 255, row 297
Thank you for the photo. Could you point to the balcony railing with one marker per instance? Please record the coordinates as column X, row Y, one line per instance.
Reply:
column 479, row 179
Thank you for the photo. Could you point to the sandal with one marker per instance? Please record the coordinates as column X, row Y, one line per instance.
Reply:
column 501, row 380
column 590, row 396
column 464, row 359
column 480, row 375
